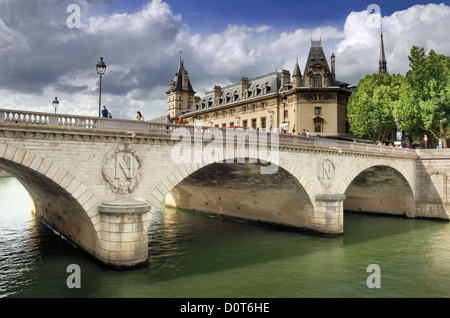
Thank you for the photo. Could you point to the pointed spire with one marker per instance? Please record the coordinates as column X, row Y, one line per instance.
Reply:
column 297, row 75
column 382, row 68
column 178, row 79
column 297, row 70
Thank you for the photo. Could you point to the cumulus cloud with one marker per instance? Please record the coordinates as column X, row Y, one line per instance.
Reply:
column 42, row 58
column 358, row 52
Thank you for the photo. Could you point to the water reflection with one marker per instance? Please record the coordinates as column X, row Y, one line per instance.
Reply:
column 193, row 255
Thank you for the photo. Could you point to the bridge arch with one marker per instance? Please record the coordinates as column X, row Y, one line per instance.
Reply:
column 380, row 187
column 229, row 189
column 59, row 198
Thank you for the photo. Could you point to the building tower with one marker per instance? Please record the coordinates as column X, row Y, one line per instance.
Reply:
column 297, row 75
column 382, row 68
column 181, row 95
column 317, row 73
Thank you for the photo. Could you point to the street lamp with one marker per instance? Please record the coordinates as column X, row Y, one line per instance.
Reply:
column 55, row 104
column 101, row 69
column 284, row 99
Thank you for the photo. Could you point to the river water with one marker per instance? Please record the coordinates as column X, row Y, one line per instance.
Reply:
column 196, row 256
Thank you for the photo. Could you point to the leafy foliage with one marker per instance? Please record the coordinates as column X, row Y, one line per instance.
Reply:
column 370, row 108
column 420, row 101
column 424, row 105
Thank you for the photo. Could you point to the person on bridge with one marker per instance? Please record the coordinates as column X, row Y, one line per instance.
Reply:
column 180, row 121
column 139, row 116
column 104, row 112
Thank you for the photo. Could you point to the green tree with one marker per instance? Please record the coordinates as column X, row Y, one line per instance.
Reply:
column 424, row 105
column 370, row 108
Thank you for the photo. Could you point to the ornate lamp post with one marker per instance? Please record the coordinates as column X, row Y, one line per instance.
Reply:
column 55, row 104
column 101, row 69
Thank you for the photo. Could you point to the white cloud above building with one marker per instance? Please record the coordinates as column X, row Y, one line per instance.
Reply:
column 40, row 57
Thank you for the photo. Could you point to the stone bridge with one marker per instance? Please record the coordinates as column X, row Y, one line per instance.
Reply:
column 99, row 181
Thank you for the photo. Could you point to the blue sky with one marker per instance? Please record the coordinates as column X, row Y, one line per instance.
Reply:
column 214, row 15
column 140, row 40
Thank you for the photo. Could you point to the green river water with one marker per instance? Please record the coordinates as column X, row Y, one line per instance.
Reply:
column 196, row 256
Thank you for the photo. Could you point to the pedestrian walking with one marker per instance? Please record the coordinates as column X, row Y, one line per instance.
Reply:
column 104, row 112
column 139, row 116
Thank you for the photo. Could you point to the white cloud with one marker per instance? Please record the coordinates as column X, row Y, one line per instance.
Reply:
column 41, row 58
column 421, row 25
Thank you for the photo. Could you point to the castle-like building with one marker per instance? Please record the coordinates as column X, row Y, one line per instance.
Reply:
column 314, row 101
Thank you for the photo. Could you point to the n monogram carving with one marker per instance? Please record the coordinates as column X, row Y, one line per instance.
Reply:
column 325, row 173
column 122, row 169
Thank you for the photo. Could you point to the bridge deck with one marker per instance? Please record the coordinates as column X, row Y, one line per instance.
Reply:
column 74, row 124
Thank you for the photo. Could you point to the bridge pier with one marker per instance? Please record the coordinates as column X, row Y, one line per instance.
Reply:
column 329, row 212
column 123, row 239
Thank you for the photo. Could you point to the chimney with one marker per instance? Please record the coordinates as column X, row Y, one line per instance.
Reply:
column 244, row 85
column 217, row 91
column 285, row 77
column 333, row 68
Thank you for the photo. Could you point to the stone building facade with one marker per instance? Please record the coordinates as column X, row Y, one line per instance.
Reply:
column 314, row 102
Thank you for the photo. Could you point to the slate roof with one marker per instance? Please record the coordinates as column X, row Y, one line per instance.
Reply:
column 297, row 70
column 258, row 86
column 179, row 77
column 316, row 56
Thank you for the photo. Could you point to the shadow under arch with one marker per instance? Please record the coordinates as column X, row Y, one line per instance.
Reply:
column 380, row 189
column 58, row 198
column 239, row 191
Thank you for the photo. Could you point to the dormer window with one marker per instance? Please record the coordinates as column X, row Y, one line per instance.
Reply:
column 317, row 80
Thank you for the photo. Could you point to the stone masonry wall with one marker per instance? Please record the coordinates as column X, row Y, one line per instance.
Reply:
column 433, row 184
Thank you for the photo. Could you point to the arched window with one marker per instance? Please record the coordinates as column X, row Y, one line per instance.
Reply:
column 317, row 80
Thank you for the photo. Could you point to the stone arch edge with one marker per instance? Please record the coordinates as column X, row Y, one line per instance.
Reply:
column 60, row 176
column 181, row 171
column 372, row 163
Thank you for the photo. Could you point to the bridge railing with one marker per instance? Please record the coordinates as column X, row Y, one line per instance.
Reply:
column 65, row 120
column 21, row 117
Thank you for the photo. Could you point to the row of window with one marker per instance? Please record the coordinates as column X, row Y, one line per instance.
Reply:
column 232, row 111
column 233, row 97
column 317, row 112
column 252, row 123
